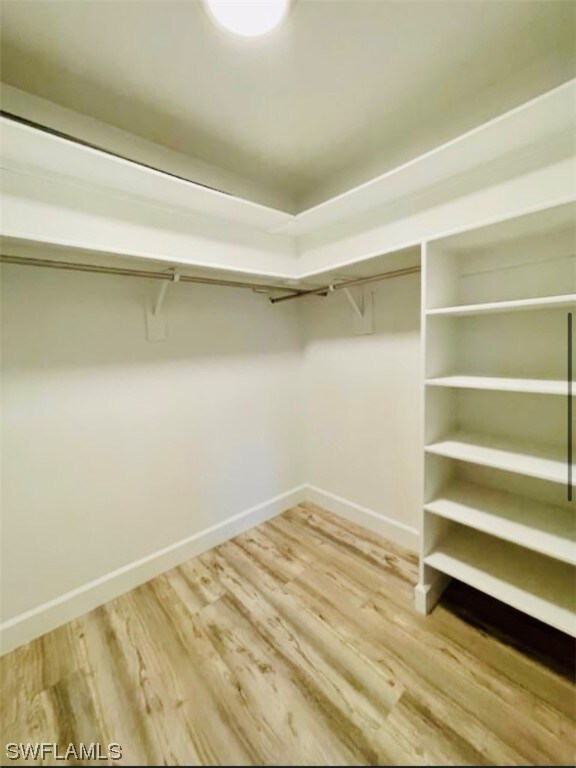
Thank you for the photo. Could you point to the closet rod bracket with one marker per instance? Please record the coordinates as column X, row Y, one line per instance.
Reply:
column 155, row 322
column 158, row 304
column 363, row 310
column 357, row 308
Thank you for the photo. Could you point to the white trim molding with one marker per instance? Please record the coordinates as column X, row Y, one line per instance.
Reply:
column 400, row 533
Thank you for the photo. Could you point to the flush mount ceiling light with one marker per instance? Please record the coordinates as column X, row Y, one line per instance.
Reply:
column 248, row 18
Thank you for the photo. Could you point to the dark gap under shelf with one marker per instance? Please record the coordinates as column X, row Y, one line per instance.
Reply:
column 537, row 640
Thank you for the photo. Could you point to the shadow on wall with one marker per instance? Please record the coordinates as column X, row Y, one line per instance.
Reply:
column 396, row 311
column 54, row 319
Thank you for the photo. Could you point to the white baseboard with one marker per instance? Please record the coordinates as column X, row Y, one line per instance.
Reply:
column 427, row 595
column 31, row 624
column 36, row 622
column 402, row 534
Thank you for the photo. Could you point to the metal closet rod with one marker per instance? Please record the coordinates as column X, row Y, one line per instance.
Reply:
column 348, row 284
column 293, row 293
column 125, row 272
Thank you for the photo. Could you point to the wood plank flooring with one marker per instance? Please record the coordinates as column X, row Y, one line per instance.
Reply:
column 294, row 644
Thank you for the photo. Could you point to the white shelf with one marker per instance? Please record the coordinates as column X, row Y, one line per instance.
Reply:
column 523, row 457
column 31, row 150
column 501, row 384
column 539, row 586
column 546, row 302
column 537, row 526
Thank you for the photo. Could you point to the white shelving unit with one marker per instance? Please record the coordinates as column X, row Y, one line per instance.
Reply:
column 496, row 512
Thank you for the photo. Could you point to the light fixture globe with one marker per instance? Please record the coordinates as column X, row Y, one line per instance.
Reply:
column 248, row 18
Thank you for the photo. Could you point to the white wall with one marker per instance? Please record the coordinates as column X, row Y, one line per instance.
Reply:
column 362, row 408
column 115, row 447
column 118, row 452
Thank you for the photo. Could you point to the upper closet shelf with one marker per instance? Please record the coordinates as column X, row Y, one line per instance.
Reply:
column 526, row 133
column 35, row 151
column 546, row 302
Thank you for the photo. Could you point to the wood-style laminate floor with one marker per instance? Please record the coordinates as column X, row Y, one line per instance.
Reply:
column 296, row 643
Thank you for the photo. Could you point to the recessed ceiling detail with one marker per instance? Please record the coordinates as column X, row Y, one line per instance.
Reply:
column 338, row 94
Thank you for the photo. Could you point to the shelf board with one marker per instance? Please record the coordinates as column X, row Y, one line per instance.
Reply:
column 33, row 150
column 546, row 302
column 539, row 460
column 502, row 384
column 539, row 586
column 540, row 527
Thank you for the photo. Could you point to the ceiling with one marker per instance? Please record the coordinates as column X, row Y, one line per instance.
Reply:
column 343, row 92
